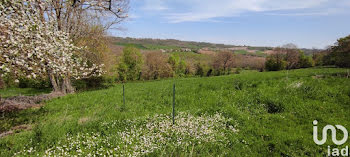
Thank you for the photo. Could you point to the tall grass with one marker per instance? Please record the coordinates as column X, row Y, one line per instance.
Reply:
column 273, row 111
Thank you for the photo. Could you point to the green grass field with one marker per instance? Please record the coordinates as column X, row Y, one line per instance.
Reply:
column 241, row 52
column 9, row 92
column 260, row 54
column 247, row 114
column 257, row 53
column 193, row 57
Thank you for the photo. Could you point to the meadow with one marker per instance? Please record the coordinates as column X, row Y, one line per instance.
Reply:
column 10, row 92
column 247, row 114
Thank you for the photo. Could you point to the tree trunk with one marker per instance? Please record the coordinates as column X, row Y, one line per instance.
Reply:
column 2, row 84
column 61, row 85
column 67, row 86
column 54, row 83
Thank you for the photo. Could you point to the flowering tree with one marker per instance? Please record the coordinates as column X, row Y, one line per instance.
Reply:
column 32, row 46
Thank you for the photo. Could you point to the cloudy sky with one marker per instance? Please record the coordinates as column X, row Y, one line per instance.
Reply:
column 307, row 23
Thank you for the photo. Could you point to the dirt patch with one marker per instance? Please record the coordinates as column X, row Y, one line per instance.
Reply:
column 16, row 129
column 318, row 76
column 23, row 102
column 83, row 120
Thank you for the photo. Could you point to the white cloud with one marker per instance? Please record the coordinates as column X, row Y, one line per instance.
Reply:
column 207, row 9
column 204, row 10
column 315, row 13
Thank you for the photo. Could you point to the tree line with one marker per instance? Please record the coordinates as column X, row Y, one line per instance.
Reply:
column 290, row 57
column 285, row 58
column 62, row 45
column 338, row 54
column 134, row 65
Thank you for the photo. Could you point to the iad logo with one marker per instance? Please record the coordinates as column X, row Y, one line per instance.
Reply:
column 334, row 132
column 334, row 151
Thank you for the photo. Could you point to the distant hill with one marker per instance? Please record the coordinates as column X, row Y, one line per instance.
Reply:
column 148, row 43
column 173, row 45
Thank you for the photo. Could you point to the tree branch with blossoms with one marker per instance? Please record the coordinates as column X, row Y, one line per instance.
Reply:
column 32, row 47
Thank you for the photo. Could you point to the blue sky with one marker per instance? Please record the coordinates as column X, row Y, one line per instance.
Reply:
column 307, row 23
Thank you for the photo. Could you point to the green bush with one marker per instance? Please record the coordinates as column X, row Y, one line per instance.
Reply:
column 23, row 82
column 9, row 81
column 305, row 61
column 203, row 70
column 273, row 64
column 94, row 83
column 130, row 64
column 238, row 70
column 288, row 59
column 80, row 85
column 34, row 83
column 178, row 65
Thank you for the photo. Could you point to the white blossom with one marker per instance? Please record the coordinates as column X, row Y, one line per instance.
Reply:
column 33, row 47
column 146, row 135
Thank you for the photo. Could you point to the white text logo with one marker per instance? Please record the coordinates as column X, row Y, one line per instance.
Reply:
column 333, row 131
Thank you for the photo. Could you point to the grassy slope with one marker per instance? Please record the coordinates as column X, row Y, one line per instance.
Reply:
column 191, row 57
column 257, row 53
column 247, row 98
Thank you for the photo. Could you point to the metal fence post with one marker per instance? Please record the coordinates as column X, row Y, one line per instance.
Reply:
column 174, row 103
column 123, row 96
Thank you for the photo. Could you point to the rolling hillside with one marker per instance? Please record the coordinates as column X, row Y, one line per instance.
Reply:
column 249, row 114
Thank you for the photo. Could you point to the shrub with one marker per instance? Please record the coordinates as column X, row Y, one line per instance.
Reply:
column 288, row 58
column 156, row 66
column 41, row 83
column 9, row 81
column 174, row 62
column 304, row 61
column 179, row 66
column 274, row 63
column 130, row 64
column 109, row 80
column 238, row 70
column 202, row 69
column 320, row 58
column 190, row 69
column 80, row 85
column 93, row 83
column 181, row 69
